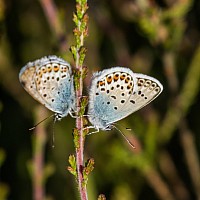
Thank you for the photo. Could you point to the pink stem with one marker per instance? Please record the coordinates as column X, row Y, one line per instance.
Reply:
column 38, row 160
column 80, row 150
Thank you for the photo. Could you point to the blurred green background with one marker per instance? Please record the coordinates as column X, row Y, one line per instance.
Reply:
column 157, row 38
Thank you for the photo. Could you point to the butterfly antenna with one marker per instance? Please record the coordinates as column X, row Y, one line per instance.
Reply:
column 53, row 134
column 127, row 128
column 30, row 129
column 129, row 142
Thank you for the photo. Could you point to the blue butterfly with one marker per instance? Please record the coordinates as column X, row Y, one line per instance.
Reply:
column 50, row 81
column 116, row 93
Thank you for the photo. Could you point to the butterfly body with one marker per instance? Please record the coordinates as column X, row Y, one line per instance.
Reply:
column 118, row 92
column 49, row 80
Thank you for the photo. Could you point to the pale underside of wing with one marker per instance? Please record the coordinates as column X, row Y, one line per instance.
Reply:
column 50, row 82
column 26, row 78
column 118, row 94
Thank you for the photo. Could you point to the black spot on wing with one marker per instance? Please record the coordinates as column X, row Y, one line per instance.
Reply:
column 23, row 83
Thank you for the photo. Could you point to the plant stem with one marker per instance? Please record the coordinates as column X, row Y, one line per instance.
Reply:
column 78, row 51
column 38, row 160
column 79, row 126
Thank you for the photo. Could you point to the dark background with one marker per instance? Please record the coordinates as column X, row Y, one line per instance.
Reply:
column 157, row 38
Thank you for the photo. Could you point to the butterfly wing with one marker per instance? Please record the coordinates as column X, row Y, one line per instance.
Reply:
column 52, row 82
column 148, row 88
column 118, row 92
column 27, row 80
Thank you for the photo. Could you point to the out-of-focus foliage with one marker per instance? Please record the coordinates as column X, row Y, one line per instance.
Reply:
column 158, row 38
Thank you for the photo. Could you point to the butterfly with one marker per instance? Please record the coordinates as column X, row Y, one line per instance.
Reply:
column 49, row 80
column 116, row 93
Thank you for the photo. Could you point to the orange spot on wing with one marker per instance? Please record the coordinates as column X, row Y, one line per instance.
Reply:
column 49, row 69
column 116, row 77
column 65, row 69
column 129, row 86
column 56, row 68
column 109, row 79
column 101, row 83
column 127, row 79
column 44, row 70
column 122, row 77
column 40, row 73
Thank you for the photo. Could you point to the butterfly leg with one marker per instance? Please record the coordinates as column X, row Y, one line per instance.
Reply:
column 72, row 114
column 89, row 127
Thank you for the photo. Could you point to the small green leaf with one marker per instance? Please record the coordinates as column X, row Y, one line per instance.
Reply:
column 84, row 71
column 74, row 51
column 84, row 102
column 89, row 166
column 75, row 19
column 79, row 11
column 76, row 138
column 72, row 161
column 72, row 167
column 82, row 52
column 77, row 76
